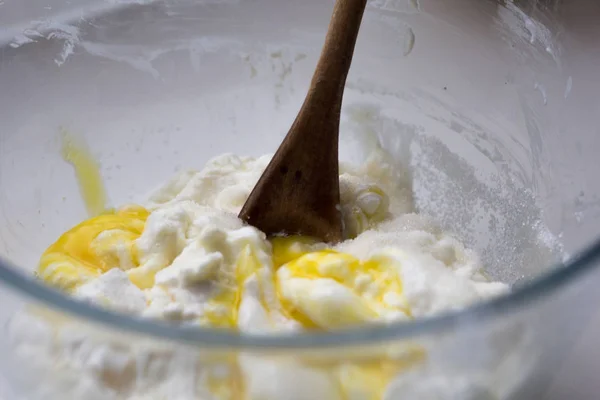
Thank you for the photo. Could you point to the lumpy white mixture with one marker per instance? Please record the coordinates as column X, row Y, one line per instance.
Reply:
column 199, row 264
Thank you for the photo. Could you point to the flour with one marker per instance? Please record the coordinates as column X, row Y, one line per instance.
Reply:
column 196, row 263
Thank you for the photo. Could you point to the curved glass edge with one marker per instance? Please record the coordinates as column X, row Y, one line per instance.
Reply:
column 215, row 339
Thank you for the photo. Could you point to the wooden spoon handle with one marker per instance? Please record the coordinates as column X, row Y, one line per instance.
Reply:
column 332, row 69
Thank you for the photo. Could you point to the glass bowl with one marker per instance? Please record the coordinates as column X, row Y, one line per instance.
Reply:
column 493, row 104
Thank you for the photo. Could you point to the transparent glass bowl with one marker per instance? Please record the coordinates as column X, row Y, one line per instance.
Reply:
column 494, row 105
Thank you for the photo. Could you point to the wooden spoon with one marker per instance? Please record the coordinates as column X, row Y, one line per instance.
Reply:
column 299, row 193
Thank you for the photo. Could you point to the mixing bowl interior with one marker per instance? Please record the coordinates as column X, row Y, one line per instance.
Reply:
column 489, row 107
column 496, row 150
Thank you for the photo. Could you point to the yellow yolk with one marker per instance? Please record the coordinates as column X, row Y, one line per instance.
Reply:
column 87, row 172
column 328, row 289
column 225, row 386
column 368, row 380
column 93, row 247
column 229, row 297
column 289, row 248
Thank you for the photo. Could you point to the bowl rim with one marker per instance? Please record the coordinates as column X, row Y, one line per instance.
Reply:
column 564, row 273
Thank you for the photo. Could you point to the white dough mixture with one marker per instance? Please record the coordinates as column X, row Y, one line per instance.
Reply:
column 185, row 257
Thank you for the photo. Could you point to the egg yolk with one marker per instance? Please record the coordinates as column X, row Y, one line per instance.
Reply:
column 93, row 247
column 86, row 171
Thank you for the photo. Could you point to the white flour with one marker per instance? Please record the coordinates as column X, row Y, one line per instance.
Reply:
column 195, row 256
